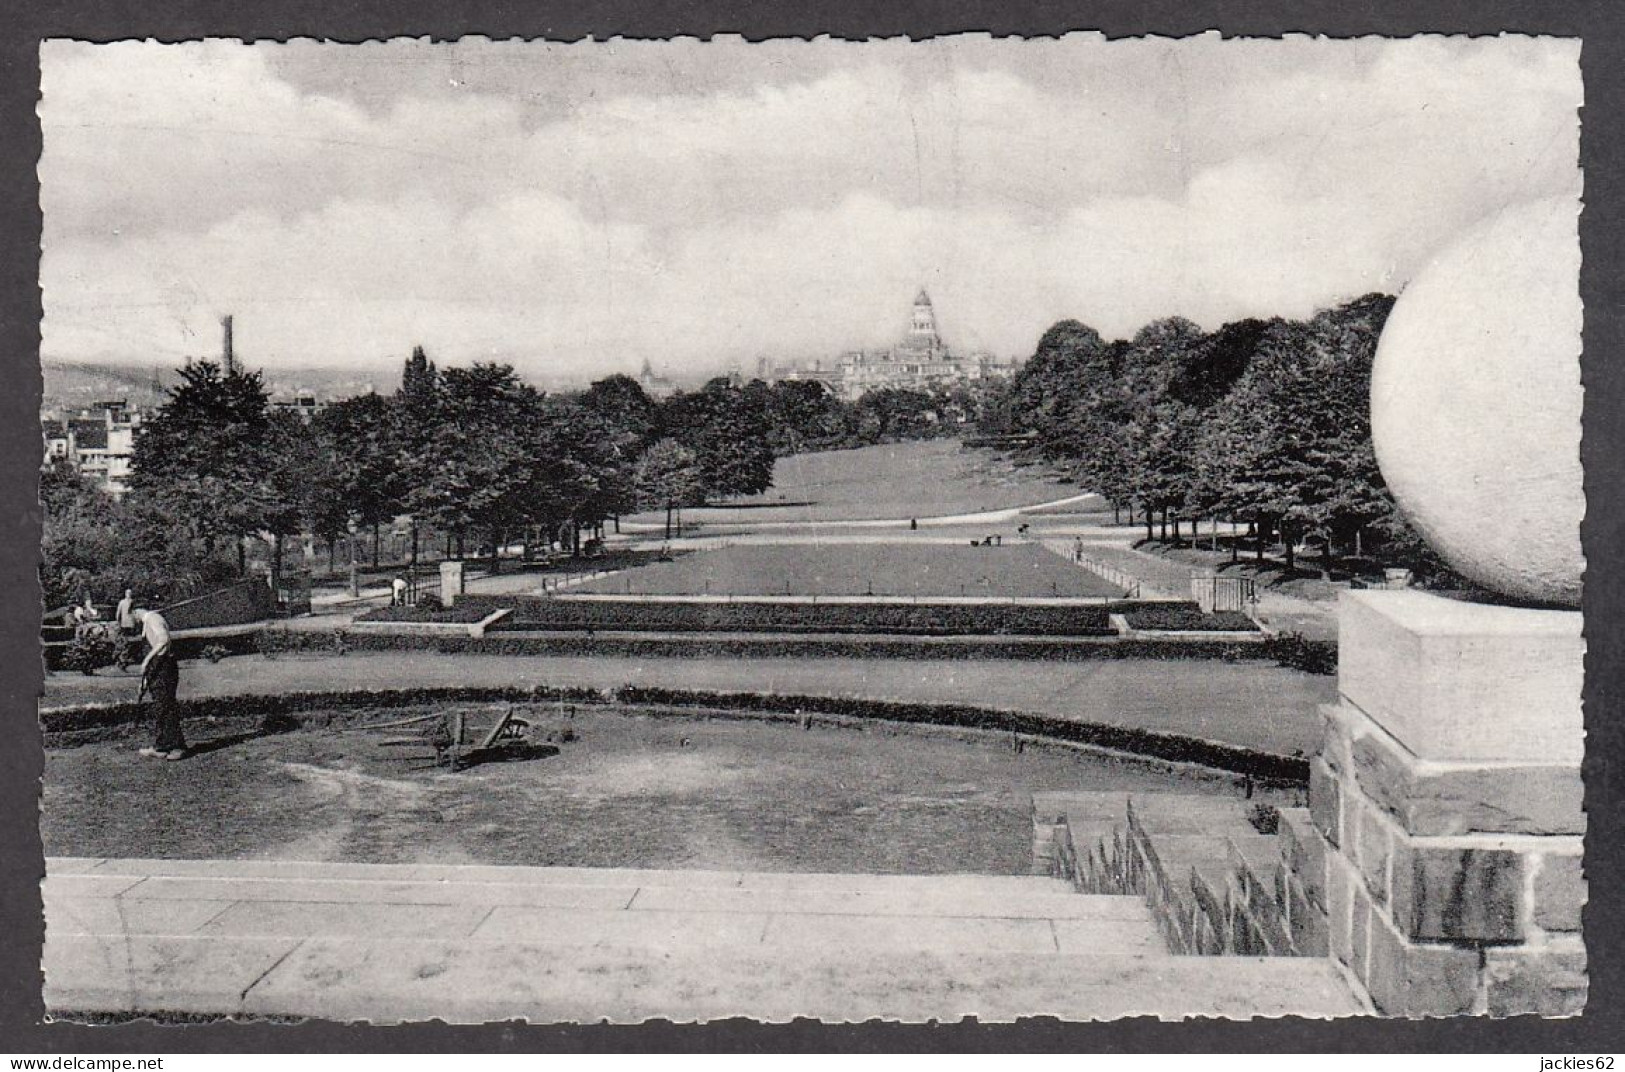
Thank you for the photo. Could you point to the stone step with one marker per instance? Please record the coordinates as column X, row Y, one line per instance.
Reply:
column 393, row 979
column 1071, row 923
column 108, row 873
column 951, row 899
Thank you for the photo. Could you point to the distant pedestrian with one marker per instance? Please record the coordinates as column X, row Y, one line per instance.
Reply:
column 85, row 615
column 161, row 677
column 397, row 590
column 998, row 541
column 125, row 614
column 1077, row 548
column 913, row 524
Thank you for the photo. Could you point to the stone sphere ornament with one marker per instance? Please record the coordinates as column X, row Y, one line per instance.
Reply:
column 1475, row 403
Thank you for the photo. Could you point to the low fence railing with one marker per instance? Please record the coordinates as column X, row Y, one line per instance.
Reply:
column 1111, row 574
column 1215, row 593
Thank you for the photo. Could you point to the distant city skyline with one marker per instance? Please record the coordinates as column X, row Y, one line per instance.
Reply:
column 580, row 209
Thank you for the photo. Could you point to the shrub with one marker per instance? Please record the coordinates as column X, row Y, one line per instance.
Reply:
column 269, row 642
column 461, row 614
column 88, row 653
column 275, row 641
column 214, row 653
column 1265, row 818
column 1187, row 616
column 1298, row 652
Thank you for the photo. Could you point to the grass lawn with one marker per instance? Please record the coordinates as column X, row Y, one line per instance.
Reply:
column 863, row 569
column 630, row 791
column 929, row 478
column 1254, row 704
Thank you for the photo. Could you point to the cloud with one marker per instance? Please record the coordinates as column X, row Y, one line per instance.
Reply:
column 790, row 213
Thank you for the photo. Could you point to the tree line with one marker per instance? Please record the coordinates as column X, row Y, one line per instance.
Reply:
column 474, row 455
column 1265, row 422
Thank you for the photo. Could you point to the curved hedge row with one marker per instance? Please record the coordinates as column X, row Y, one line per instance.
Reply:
column 1163, row 746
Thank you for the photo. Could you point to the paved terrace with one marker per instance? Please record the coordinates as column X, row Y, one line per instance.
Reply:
column 478, row 943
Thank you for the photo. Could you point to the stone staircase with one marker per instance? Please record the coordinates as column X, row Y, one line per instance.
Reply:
column 388, row 943
column 1214, row 883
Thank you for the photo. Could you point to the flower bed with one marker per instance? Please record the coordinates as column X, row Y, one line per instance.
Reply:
column 540, row 613
column 1187, row 617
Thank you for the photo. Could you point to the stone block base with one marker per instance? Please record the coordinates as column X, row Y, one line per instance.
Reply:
column 1449, row 860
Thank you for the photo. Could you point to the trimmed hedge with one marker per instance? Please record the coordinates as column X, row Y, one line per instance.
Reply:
column 1171, row 747
column 1317, row 657
column 1298, row 652
column 1187, row 616
column 461, row 613
column 701, row 646
column 535, row 612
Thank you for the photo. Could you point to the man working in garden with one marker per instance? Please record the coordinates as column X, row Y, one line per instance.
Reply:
column 161, row 676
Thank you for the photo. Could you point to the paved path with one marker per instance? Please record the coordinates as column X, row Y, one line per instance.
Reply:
column 473, row 944
column 1252, row 704
column 1164, row 576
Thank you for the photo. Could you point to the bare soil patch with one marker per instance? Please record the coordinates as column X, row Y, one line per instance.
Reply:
column 630, row 791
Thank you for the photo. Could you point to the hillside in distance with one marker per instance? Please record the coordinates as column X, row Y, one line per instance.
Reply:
column 72, row 385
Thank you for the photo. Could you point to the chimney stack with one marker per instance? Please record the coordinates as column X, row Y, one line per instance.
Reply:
column 229, row 357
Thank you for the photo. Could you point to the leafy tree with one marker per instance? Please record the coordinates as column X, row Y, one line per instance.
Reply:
column 1290, row 446
column 1059, row 377
column 202, row 459
column 94, row 545
column 1159, row 464
column 729, row 432
column 804, row 415
column 482, row 470
column 888, row 414
column 416, row 427
column 352, row 458
column 291, row 467
column 620, row 402
column 420, row 387
column 617, row 422
column 669, row 475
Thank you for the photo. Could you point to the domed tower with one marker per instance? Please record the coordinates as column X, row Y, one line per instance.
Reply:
column 922, row 327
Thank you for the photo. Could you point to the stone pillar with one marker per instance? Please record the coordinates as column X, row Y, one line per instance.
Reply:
column 451, row 581
column 1448, row 804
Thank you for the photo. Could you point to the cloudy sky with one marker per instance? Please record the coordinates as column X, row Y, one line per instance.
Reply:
column 578, row 208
